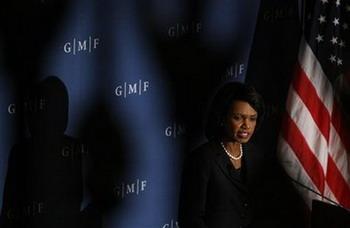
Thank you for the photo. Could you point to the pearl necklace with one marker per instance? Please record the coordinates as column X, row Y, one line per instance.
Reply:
column 230, row 155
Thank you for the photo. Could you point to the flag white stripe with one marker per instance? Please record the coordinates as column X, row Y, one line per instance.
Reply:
column 314, row 72
column 329, row 194
column 306, row 124
column 297, row 172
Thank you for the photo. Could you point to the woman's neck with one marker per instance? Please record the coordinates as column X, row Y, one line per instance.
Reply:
column 233, row 147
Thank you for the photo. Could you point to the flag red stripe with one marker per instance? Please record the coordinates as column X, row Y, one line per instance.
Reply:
column 308, row 94
column 315, row 130
column 307, row 158
column 337, row 184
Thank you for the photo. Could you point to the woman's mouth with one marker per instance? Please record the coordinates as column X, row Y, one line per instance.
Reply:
column 243, row 134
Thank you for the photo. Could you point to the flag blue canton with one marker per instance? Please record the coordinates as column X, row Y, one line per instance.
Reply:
column 327, row 32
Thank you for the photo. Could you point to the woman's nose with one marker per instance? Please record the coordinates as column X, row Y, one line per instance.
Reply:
column 246, row 124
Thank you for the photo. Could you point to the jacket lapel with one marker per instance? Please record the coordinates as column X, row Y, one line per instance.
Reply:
column 223, row 163
column 253, row 166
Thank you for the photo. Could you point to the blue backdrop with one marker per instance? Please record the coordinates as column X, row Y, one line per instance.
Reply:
column 139, row 76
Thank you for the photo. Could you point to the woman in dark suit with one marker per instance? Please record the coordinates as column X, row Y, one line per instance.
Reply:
column 225, row 180
column 229, row 183
column 222, row 177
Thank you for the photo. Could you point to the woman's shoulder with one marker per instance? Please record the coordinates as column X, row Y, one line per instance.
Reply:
column 201, row 157
column 205, row 150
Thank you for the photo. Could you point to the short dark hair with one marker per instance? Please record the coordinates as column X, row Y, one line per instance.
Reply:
column 227, row 94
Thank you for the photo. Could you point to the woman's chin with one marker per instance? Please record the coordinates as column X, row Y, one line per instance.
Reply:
column 243, row 140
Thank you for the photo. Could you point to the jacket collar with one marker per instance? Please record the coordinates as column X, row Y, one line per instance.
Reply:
column 248, row 165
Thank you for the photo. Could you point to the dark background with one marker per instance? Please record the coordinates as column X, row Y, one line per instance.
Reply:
column 139, row 77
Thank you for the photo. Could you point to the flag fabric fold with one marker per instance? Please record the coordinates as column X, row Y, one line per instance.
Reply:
column 314, row 142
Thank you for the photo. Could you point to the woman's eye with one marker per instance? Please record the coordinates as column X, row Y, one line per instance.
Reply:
column 236, row 117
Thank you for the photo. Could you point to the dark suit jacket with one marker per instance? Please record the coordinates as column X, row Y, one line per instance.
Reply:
column 211, row 197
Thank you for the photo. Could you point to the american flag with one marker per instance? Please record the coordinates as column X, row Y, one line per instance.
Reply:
column 314, row 145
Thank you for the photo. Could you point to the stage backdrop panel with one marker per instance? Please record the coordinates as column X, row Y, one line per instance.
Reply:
column 138, row 75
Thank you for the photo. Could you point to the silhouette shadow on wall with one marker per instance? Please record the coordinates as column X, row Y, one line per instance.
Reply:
column 45, row 179
column 105, row 164
column 46, row 176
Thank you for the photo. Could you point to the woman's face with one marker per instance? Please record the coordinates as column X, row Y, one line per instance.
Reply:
column 240, row 122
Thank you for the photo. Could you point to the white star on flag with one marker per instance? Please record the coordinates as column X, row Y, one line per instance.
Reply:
column 339, row 62
column 319, row 38
column 333, row 58
column 334, row 40
column 314, row 140
column 322, row 19
column 336, row 21
column 337, row 2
